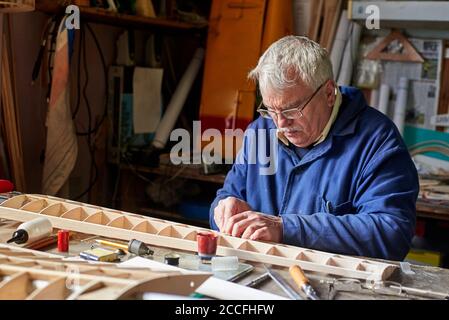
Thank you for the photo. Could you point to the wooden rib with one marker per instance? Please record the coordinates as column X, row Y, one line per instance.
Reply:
column 55, row 290
column 98, row 218
column 146, row 227
column 76, row 214
column 90, row 286
column 34, row 205
column 172, row 236
column 56, row 210
column 16, row 202
column 301, row 256
column 190, row 235
column 231, row 242
column 18, row 287
column 122, row 223
column 169, row 231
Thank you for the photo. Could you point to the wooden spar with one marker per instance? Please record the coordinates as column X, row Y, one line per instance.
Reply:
column 126, row 226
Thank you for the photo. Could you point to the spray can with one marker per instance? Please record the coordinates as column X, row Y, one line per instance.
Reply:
column 32, row 231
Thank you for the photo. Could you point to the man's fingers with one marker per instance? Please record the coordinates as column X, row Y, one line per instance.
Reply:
column 261, row 234
column 229, row 223
column 241, row 226
column 250, row 230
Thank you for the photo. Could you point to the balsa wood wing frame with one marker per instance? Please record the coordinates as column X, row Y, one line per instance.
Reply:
column 79, row 217
column 32, row 275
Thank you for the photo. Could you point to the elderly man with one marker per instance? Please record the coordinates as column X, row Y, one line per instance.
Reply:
column 344, row 180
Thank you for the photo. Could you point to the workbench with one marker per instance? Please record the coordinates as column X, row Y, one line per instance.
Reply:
column 425, row 277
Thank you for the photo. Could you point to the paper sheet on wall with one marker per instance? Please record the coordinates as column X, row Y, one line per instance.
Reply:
column 422, row 102
column 147, row 83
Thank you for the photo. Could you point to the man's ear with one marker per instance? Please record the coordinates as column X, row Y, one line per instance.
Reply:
column 331, row 93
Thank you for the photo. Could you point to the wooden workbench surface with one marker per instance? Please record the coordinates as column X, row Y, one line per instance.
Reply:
column 425, row 277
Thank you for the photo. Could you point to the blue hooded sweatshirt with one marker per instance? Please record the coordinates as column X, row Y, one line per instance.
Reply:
column 354, row 193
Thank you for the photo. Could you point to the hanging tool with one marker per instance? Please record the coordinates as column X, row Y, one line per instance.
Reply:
column 134, row 246
column 303, row 283
column 283, row 284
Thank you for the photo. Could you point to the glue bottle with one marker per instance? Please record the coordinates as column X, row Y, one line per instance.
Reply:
column 32, row 231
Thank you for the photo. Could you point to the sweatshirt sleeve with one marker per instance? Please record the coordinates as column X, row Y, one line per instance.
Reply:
column 384, row 222
column 235, row 183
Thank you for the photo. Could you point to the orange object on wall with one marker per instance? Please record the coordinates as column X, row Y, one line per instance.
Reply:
column 233, row 48
column 237, row 37
column 278, row 22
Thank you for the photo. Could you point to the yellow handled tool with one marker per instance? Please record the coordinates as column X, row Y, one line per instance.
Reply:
column 113, row 244
column 134, row 246
column 302, row 281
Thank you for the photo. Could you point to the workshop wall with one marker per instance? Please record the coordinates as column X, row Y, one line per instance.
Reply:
column 26, row 36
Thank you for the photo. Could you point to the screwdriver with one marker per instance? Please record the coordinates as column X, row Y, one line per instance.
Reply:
column 303, row 283
column 134, row 246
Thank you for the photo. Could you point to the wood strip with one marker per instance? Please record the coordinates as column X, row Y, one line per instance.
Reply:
column 172, row 236
column 331, row 11
column 333, row 26
column 316, row 9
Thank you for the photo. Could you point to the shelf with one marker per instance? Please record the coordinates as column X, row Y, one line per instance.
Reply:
column 404, row 14
column 103, row 16
column 432, row 209
column 182, row 171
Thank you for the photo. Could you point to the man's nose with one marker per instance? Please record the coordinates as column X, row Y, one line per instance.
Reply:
column 283, row 122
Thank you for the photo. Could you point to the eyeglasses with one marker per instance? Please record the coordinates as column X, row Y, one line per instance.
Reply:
column 291, row 113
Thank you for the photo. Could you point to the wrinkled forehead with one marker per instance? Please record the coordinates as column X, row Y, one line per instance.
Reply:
column 286, row 97
column 295, row 91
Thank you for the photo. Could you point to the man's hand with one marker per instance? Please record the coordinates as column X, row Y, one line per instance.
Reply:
column 228, row 207
column 255, row 226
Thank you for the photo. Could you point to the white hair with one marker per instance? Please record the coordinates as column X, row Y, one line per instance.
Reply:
column 290, row 59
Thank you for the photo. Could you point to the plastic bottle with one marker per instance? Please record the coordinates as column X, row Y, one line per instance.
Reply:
column 32, row 231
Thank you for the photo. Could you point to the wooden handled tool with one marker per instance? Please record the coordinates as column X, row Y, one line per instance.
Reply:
column 302, row 281
column 298, row 275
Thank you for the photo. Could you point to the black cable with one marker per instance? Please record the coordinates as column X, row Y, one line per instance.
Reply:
column 105, row 70
column 51, row 53
column 78, row 82
column 90, row 145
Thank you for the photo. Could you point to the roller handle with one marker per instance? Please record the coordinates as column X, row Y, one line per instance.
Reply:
column 298, row 275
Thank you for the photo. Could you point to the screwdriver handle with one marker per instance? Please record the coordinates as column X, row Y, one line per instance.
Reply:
column 298, row 275
column 113, row 244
